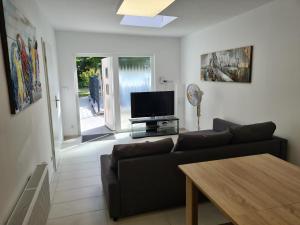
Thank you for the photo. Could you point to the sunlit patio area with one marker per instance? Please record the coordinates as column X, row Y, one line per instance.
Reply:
column 90, row 122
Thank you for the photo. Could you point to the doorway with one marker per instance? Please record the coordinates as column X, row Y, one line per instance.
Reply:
column 105, row 85
column 91, row 98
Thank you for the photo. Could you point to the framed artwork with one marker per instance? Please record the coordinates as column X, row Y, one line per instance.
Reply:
column 234, row 65
column 20, row 51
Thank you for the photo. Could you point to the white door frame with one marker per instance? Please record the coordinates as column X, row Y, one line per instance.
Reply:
column 44, row 55
column 76, row 83
column 115, row 58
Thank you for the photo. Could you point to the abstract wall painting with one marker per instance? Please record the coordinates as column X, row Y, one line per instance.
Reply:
column 234, row 65
column 20, row 50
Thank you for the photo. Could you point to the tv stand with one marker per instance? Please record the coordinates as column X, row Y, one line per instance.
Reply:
column 154, row 126
column 151, row 126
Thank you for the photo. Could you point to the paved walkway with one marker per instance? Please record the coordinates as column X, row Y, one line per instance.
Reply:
column 90, row 122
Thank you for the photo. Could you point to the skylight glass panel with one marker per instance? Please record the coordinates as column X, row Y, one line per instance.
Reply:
column 158, row 21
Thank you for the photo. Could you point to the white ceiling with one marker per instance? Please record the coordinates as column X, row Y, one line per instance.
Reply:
column 100, row 15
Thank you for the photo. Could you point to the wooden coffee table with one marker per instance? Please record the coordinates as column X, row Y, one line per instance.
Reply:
column 252, row 190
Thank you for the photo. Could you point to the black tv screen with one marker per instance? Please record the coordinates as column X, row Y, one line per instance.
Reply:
column 150, row 104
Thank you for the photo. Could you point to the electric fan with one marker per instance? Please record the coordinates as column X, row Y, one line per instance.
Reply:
column 194, row 95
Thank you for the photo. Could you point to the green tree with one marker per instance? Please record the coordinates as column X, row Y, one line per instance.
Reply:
column 87, row 67
column 85, row 78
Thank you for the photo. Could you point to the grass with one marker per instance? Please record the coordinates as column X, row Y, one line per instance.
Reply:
column 83, row 92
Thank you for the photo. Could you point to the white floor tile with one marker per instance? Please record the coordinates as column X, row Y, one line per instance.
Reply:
column 79, row 174
column 176, row 216
column 78, row 183
column 157, row 218
column 78, row 167
column 76, row 194
column 75, row 207
column 207, row 215
column 75, row 160
column 91, row 218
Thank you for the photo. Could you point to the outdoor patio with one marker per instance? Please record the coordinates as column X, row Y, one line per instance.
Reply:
column 90, row 122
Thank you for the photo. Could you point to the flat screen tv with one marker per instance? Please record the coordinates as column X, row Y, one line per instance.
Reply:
column 150, row 104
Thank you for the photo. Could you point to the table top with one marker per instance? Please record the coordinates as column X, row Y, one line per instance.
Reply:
column 251, row 190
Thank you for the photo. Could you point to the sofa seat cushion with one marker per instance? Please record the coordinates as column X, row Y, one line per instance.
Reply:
column 253, row 132
column 202, row 139
column 125, row 151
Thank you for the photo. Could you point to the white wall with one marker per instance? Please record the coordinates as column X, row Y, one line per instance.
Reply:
column 24, row 138
column 274, row 93
column 166, row 52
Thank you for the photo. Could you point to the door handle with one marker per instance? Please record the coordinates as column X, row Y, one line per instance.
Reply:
column 56, row 101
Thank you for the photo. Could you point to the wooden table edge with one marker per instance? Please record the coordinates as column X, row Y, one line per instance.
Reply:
column 210, row 199
column 181, row 167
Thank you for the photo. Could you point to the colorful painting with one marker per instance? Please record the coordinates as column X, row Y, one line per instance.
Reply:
column 20, row 48
column 233, row 65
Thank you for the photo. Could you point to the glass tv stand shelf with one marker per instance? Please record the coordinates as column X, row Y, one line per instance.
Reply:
column 154, row 126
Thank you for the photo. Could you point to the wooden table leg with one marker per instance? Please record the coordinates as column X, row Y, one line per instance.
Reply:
column 191, row 203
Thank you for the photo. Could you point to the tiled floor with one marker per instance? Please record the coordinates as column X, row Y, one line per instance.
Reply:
column 77, row 197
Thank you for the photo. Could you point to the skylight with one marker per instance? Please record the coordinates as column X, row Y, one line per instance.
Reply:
column 143, row 7
column 158, row 21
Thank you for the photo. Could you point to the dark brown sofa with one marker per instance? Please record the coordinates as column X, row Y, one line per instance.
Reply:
column 154, row 182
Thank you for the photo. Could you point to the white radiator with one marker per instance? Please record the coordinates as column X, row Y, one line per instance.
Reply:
column 33, row 206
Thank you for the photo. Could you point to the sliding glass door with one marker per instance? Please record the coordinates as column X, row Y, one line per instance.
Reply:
column 135, row 75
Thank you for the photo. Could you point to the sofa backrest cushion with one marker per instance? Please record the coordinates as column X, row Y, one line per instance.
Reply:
column 125, row 151
column 252, row 133
column 198, row 140
column 222, row 125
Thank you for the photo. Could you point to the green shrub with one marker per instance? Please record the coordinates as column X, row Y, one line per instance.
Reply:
column 85, row 78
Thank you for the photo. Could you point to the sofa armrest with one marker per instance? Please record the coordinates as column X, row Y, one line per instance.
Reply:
column 111, row 187
column 221, row 125
column 283, row 147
